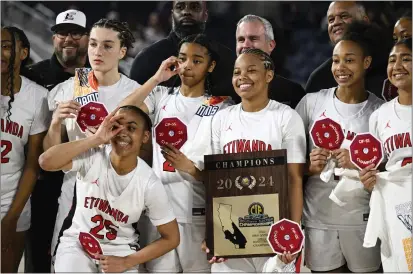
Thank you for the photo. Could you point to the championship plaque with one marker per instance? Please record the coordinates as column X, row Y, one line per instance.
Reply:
column 246, row 193
column 365, row 150
column 91, row 115
column 171, row 131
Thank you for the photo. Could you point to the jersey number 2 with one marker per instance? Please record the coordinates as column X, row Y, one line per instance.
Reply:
column 168, row 167
column 407, row 160
column 6, row 147
column 102, row 223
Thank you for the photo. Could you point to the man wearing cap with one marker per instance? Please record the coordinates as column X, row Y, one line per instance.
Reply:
column 70, row 42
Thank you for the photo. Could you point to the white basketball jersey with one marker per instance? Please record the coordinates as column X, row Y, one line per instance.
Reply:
column 391, row 219
column 29, row 116
column 394, row 133
column 187, row 195
column 108, row 205
column 277, row 126
column 110, row 96
column 234, row 130
column 319, row 210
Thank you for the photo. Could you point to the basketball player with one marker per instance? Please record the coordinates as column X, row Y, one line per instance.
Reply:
column 109, row 41
column 113, row 187
column 24, row 121
column 257, row 118
column 392, row 125
column 192, row 107
column 334, row 234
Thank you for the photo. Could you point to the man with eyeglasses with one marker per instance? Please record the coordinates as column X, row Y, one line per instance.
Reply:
column 70, row 42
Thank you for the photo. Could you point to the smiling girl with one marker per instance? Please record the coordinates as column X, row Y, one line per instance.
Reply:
column 112, row 179
column 391, row 219
column 24, row 122
column 186, row 110
column 109, row 41
column 334, row 234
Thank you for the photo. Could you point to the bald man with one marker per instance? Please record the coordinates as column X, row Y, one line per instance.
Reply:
column 339, row 15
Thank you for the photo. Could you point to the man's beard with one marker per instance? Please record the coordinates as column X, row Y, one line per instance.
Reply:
column 185, row 30
column 72, row 60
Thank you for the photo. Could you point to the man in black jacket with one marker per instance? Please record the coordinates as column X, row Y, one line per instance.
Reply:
column 70, row 41
column 339, row 15
column 187, row 18
column 256, row 32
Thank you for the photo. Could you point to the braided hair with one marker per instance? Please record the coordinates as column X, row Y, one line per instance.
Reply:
column 16, row 35
column 266, row 59
column 204, row 41
column 124, row 33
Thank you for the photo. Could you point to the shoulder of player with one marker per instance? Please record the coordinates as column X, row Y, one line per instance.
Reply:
column 283, row 110
column 32, row 87
column 385, row 107
column 128, row 82
column 375, row 101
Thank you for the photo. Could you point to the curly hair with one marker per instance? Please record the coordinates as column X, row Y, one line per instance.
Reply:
column 125, row 35
column 16, row 35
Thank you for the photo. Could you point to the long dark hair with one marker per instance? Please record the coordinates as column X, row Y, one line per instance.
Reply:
column 204, row 41
column 16, row 35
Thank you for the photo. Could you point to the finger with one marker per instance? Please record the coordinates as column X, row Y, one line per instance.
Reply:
column 213, row 260
column 368, row 175
column 221, row 260
column 366, row 169
column 168, row 158
column 168, row 152
column 172, row 148
column 320, row 151
column 320, row 163
column 318, row 157
column 369, row 181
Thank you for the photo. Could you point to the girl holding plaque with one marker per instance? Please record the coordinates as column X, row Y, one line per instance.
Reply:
column 391, row 202
column 109, row 41
column 261, row 120
column 113, row 187
column 334, row 230
column 24, row 122
column 181, row 137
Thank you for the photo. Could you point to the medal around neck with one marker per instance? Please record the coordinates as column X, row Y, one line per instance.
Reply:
column 327, row 133
column 171, row 131
column 90, row 245
column 91, row 115
column 286, row 236
column 365, row 149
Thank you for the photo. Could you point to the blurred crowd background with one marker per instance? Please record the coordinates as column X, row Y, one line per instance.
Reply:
column 300, row 27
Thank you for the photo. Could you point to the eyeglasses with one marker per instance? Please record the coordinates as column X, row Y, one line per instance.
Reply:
column 76, row 35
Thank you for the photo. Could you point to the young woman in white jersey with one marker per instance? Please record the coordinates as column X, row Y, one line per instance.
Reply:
column 114, row 177
column 24, row 121
column 334, row 234
column 191, row 107
column 259, row 118
column 391, row 203
column 109, row 41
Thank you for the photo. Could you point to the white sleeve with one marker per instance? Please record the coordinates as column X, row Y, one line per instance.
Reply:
column 294, row 139
column 373, row 123
column 153, row 99
column 42, row 114
column 60, row 93
column 83, row 162
column 302, row 110
column 157, row 203
column 216, row 133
